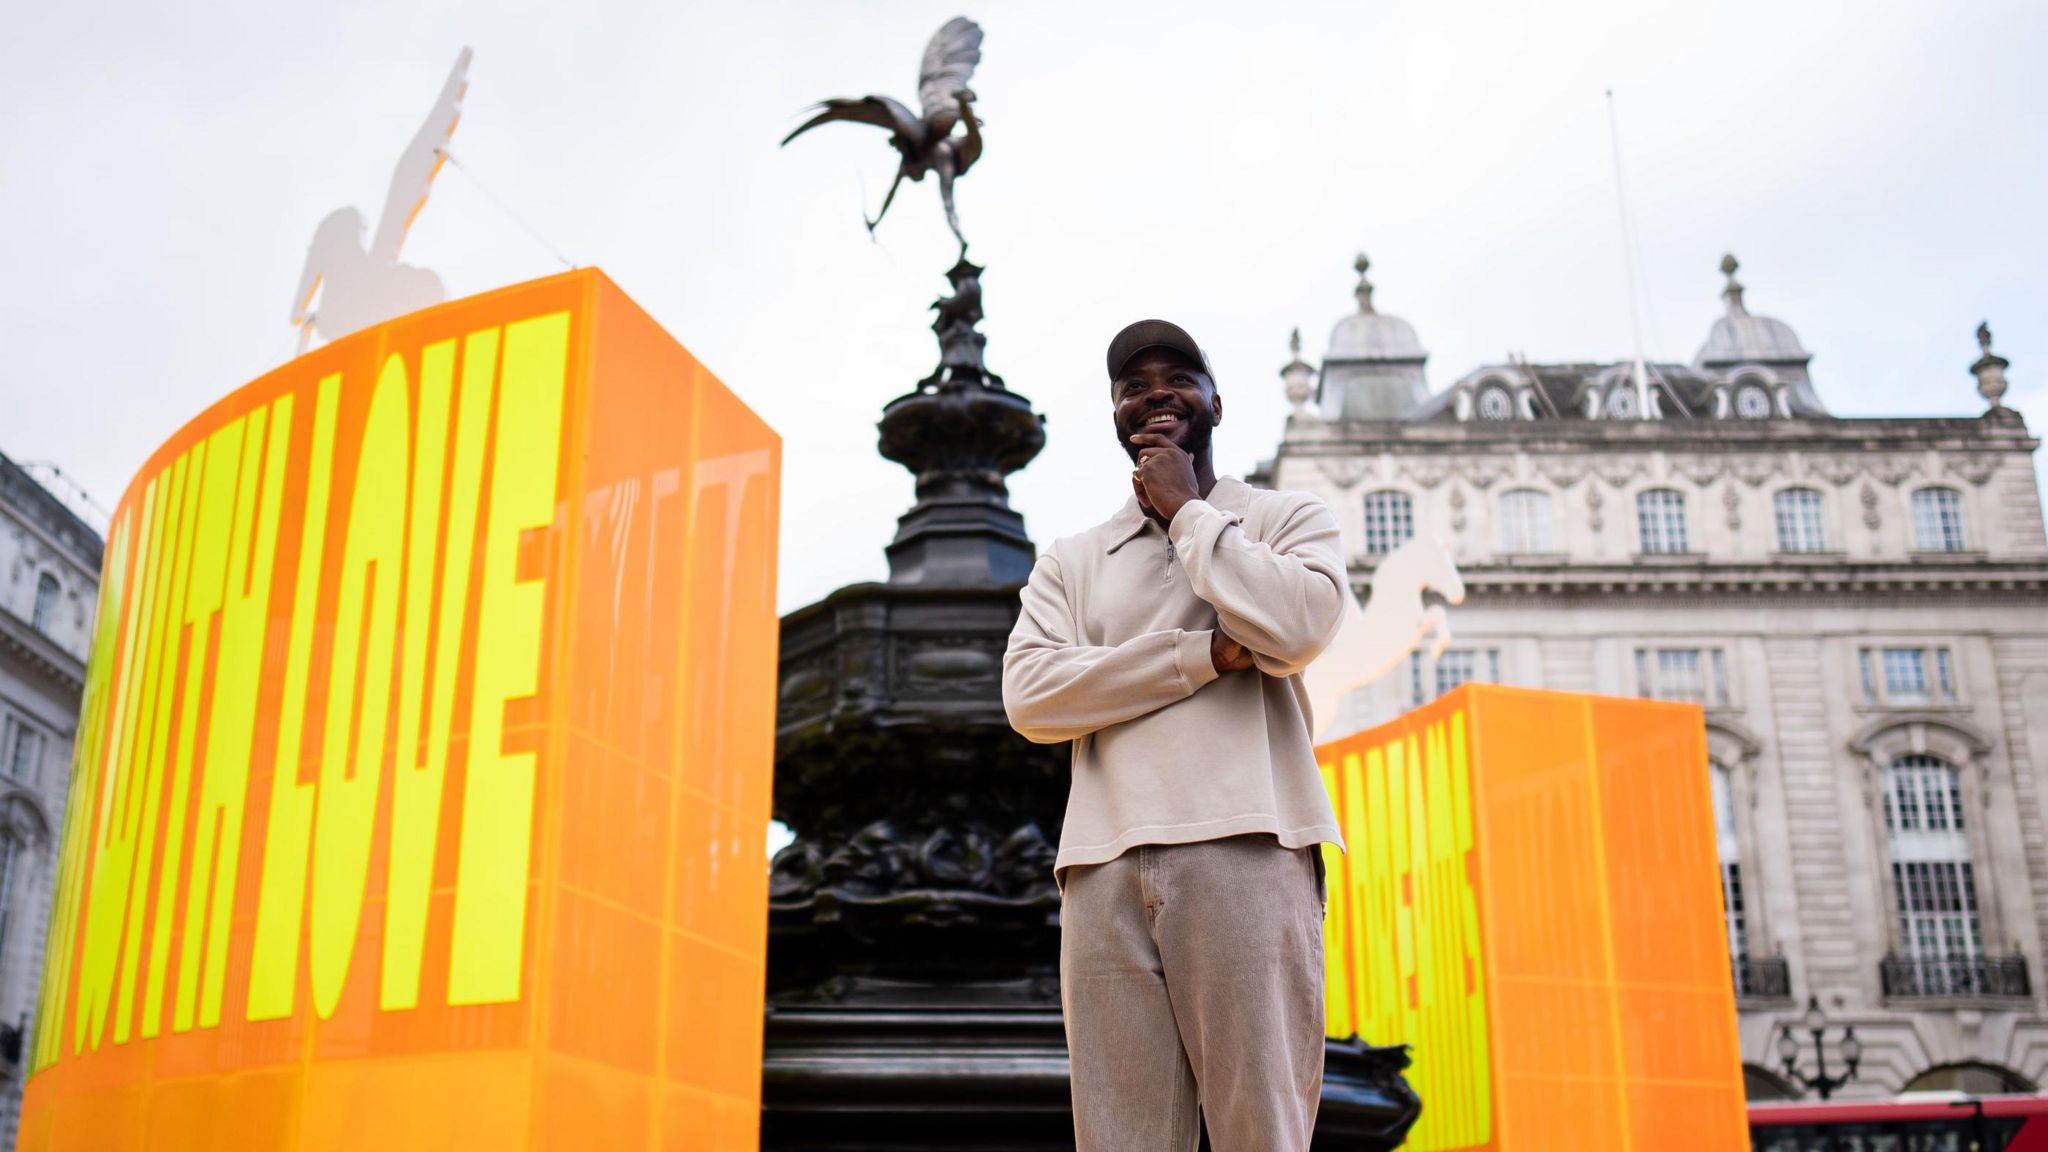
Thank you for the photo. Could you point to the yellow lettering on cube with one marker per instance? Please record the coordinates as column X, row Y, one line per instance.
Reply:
column 212, row 510
column 359, row 687
column 280, row 903
column 497, row 813
column 231, row 731
column 86, row 766
column 106, row 896
column 145, row 781
column 419, row 773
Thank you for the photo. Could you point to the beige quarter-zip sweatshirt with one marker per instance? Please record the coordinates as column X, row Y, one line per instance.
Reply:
column 1111, row 651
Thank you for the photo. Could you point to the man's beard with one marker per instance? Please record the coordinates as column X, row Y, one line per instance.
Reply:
column 1200, row 425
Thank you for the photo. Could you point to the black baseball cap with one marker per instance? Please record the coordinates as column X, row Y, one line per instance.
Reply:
column 1135, row 338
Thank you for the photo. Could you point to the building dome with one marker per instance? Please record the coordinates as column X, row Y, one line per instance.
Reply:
column 1374, row 367
column 1368, row 335
column 1740, row 338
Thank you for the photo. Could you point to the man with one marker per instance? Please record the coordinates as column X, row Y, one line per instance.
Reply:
column 1167, row 643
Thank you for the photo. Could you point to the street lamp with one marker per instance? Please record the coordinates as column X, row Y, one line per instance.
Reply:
column 1816, row 1023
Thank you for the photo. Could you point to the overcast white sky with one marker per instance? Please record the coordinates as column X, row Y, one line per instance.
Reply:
column 1878, row 167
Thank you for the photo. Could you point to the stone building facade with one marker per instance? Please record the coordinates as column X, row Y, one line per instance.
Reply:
column 49, row 588
column 1860, row 606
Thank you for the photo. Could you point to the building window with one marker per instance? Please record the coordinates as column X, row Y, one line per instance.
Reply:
column 1621, row 402
column 1660, row 519
column 1525, row 521
column 1938, row 520
column 21, row 751
column 1389, row 522
column 10, row 851
column 1799, row 523
column 1934, row 889
column 1691, row 675
column 46, row 602
column 1455, row 667
column 1752, row 402
column 1494, row 404
column 1729, row 850
column 1907, row 675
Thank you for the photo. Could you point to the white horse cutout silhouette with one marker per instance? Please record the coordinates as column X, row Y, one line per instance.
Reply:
column 359, row 287
column 1393, row 623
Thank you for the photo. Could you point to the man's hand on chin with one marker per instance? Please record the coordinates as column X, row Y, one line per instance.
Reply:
column 1165, row 477
column 1227, row 654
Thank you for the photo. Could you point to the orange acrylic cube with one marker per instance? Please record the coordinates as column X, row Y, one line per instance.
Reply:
column 422, row 781
column 1532, row 900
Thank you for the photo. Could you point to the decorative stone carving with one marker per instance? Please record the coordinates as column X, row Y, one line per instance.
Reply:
column 1836, row 470
column 1483, row 471
column 1700, row 469
column 1976, row 467
column 1893, row 467
column 1617, row 470
column 1593, row 502
column 1755, row 468
column 1869, row 498
column 1457, row 508
column 1732, row 500
column 1344, row 471
column 1989, row 368
column 1563, row 471
column 1298, row 377
column 1427, row 471
column 943, row 666
column 936, row 876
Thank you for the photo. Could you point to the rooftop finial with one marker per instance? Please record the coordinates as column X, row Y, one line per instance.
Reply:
column 1297, row 376
column 1364, row 289
column 1733, row 292
column 1989, row 368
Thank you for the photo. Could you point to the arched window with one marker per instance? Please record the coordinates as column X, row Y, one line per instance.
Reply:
column 1971, row 1078
column 1799, row 523
column 1495, row 403
column 1752, row 400
column 1759, row 1083
column 1525, row 521
column 1389, row 521
column 1934, row 887
column 46, row 602
column 1938, row 520
column 1729, row 849
column 1660, row 520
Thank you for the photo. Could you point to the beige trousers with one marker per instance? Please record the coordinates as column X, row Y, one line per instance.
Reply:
column 1192, row 978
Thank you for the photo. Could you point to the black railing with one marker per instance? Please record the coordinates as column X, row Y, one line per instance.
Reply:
column 1908, row 977
column 1768, row 978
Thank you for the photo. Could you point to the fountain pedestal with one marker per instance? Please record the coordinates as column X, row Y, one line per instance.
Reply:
column 913, row 957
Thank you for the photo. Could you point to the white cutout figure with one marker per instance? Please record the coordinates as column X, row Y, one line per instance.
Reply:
column 1393, row 623
column 359, row 287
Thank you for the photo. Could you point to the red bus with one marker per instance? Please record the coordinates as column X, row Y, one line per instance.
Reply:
column 1920, row 1123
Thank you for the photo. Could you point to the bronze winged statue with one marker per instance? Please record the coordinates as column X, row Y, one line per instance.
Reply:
column 927, row 142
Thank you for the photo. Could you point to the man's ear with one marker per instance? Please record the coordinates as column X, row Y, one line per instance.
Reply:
column 1215, row 407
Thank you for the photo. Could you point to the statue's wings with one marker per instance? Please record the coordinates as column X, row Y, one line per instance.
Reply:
column 414, row 175
column 949, row 62
column 880, row 111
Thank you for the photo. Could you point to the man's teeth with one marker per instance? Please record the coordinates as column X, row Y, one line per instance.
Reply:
column 1162, row 418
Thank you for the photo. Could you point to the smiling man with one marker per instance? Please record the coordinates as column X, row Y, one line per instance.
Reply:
column 1167, row 643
